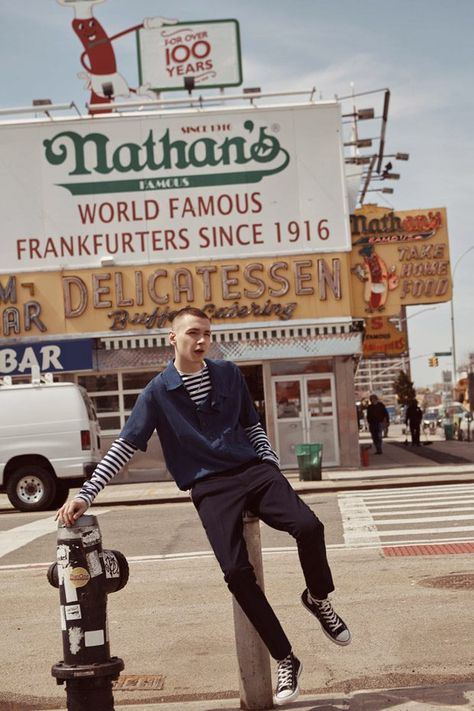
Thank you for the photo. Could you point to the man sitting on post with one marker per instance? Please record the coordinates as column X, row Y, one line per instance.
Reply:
column 215, row 446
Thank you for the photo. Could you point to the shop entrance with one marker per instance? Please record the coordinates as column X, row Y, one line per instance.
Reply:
column 305, row 410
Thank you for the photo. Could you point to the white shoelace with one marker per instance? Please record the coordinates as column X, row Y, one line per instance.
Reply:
column 328, row 613
column 285, row 672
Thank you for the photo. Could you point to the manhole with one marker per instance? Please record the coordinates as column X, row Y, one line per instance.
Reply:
column 455, row 581
column 139, row 682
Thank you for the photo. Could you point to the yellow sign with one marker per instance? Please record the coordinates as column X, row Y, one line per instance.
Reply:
column 383, row 338
column 137, row 299
column 398, row 259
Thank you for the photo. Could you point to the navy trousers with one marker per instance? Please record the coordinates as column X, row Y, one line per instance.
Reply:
column 261, row 488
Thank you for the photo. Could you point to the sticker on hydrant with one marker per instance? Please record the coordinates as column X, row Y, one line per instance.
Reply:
column 76, row 635
column 79, row 577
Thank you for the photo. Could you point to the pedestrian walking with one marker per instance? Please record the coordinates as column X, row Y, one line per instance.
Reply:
column 215, row 446
column 413, row 418
column 377, row 417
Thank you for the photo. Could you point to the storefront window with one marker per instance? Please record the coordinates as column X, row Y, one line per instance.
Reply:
column 288, row 397
column 320, row 398
column 129, row 400
column 137, row 380
column 109, row 424
column 106, row 403
column 94, row 383
column 295, row 367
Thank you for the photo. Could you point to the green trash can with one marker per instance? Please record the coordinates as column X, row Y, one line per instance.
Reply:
column 310, row 460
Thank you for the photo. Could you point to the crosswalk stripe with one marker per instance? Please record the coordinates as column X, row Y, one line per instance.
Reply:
column 358, row 523
column 409, row 493
column 441, row 503
column 20, row 536
column 412, row 531
column 423, row 519
column 395, row 515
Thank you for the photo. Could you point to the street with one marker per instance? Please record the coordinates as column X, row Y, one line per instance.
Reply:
column 428, row 514
column 173, row 621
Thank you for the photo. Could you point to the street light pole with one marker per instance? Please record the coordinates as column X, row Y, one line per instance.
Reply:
column 453, row 334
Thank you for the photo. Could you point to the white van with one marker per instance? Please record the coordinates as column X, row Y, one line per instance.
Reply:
column 49, row 442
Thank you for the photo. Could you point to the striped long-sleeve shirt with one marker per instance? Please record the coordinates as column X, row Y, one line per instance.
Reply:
column 198, row 386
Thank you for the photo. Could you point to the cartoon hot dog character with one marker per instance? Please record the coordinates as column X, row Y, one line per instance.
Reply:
column 98, row 58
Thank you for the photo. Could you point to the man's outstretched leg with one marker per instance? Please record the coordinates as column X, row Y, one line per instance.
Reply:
column 276, row 503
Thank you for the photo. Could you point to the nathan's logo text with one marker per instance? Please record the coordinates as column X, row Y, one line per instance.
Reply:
column 392, row 228
column 94, row 153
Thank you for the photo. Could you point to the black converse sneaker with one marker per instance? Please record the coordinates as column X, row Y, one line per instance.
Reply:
column 288, row 672
column 333, row 626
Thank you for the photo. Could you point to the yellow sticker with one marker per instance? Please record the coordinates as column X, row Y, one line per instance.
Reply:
column 79, row 577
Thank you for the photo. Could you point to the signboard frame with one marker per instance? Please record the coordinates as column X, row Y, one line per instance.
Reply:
column 239, row 78
column 174, row 187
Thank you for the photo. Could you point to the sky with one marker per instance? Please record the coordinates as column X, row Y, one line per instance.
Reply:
column 422, row 50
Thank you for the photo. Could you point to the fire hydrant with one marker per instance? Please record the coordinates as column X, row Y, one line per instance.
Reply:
column 85, row 574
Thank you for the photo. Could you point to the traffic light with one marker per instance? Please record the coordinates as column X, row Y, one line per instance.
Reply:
column 433, row 361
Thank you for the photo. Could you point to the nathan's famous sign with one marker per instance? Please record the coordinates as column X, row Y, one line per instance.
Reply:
column 172, row 187
column 136, row 299
column 398, row 259
column 382, row 337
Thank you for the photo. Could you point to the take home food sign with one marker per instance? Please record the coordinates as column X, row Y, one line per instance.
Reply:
column 173, row 188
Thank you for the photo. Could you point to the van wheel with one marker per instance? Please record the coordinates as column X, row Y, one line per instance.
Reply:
column 31, row 488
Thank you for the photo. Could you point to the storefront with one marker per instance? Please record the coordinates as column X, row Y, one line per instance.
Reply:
column 300, row 378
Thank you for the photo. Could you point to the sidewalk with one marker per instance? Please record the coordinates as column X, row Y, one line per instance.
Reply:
column 397, row 466
column 450, row 697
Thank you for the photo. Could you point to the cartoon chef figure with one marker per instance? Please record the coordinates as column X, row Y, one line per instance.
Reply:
column 378, row 279
column 98, row 57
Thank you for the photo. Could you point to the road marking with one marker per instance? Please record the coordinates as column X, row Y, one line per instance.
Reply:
column 193, row 555
column 421, row 505
column 411, row 492
column 393, row 514
column 424, row 519
column 20, row 536
column 357, row 521
column 412, row 531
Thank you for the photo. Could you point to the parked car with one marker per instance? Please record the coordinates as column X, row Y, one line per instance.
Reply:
column 430, row 420
column 49, row 442
column 392, row 413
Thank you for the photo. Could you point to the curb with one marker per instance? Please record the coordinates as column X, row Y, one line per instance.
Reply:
column 316, row 487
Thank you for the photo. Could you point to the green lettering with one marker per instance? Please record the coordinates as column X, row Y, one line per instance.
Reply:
column 79, row 142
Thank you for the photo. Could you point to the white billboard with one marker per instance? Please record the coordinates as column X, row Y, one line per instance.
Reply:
column 208, row 52
column 162, row 187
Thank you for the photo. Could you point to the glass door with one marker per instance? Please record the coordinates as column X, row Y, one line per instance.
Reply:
column 305, row 408
column 321, row 411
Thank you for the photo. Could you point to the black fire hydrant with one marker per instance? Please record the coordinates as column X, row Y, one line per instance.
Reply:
column 85, row 574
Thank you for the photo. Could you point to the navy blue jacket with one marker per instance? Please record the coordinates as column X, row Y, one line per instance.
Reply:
column 197, row 440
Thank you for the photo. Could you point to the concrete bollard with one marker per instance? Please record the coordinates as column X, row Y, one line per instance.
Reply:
column 85, row 574
column 255, row 678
